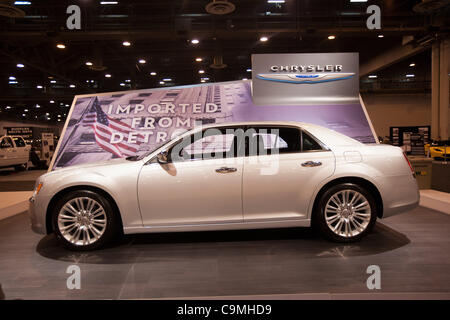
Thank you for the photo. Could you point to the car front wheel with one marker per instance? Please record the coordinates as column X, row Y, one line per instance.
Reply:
column 346, row 212
column 84, row 220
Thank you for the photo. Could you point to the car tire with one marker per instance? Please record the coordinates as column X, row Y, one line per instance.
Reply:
column 346, row 212
column 84, row 220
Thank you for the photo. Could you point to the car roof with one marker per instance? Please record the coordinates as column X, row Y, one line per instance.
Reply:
column 325, row 135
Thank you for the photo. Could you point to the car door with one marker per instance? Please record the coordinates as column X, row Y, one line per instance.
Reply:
column 200, row 184
column 22, row 150
column 7, row 152
column 282, row 169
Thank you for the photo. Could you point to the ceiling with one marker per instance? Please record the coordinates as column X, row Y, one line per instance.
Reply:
column 160, row 32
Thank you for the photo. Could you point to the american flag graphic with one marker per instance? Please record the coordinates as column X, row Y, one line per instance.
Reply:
column 104, row 126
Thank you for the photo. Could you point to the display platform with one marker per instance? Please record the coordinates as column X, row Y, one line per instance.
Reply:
column 411, row 249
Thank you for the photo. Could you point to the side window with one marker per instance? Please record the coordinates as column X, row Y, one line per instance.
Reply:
column 6, row 143
column 19, row 142
column 269, row 140
column 308, row 143
column 210, row 144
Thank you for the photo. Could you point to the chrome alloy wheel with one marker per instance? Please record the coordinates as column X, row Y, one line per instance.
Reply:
column 347, row 213
column 82, row 221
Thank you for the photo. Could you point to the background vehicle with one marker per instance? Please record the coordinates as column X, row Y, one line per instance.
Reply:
column 14, row 152
column 438, row 151
column 230, row 176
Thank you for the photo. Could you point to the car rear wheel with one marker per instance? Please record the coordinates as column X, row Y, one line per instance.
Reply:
column 346, row 212
column 84, row 220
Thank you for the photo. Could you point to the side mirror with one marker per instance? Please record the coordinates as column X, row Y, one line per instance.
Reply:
column 163, row 157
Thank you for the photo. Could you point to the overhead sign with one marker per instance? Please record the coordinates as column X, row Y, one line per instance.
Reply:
column 306, row 78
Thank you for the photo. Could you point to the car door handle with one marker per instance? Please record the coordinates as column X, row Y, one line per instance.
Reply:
column 311, row 164
column 225, row 170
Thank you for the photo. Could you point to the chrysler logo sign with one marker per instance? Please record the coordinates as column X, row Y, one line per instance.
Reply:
column 305, row 74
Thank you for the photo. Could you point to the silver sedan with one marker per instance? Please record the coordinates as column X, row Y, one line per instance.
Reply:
column 229, row 176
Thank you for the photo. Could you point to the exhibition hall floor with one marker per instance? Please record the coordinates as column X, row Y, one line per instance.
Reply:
column 412, row 251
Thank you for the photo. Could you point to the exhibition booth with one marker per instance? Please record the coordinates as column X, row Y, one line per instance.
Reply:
column 224, row 159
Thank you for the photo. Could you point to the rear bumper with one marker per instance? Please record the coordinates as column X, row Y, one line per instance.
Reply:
column 399, row 194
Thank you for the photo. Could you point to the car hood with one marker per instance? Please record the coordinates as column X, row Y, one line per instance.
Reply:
column 86, row 167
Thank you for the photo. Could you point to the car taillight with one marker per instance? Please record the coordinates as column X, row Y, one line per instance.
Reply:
column 409, row 163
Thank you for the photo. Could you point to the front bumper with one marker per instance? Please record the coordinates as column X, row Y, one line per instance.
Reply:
column 38, row 223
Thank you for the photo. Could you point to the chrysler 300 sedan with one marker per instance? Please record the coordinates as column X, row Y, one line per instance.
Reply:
column 229, row 176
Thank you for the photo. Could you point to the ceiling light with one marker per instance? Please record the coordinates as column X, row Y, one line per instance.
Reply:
column 161, row 82
column 39, row 87
column 72, row 86
column 198, row 59
column 52, row 101
column 60, row 46
column 195, row 41
column 373, row 76
column 23, row 114
column 153, row 73
column 22, row 3
column 8, row 107
column 128, row 80
column 20, row 65
column 92, row 81
column 167, row 79
column 201, row 71
column 263, row 39
column 380, row 36
column 202, row 80
column 13, row 82
column 249, row 70
column 25, row 110
column 410, row 76
column 107, row 75
column 88, row 63
column 331, row 37
column 412, row 64
column 108, row 2
column 244, row 79
column 358, row 0
column 126, row 43
column 52, row 81
column 276, row 1
column 66, row 106
column 38, row 106
column 122, row 84
column 142, row 61
column 12, row 78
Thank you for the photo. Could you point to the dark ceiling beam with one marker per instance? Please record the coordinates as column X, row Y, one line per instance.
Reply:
column 157, row 34
column 44, row 69
column 389, row 57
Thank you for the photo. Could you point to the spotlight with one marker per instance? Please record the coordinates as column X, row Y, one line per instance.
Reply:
column 153, row 73
column 201, row 71
column 263, row 39
column 331, row 37
column 107, row 75
column 60, row 46
column 198, row 59
column 126, row 43
column 88, row 63
column 142, row 61
column 195, row 41
column 20, row 65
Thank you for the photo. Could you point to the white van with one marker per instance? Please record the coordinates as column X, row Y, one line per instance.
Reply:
column 14, row 152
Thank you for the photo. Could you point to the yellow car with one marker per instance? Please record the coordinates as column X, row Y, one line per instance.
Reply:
column 438, row 152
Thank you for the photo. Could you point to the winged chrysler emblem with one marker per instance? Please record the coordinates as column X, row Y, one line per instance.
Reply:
column 304, row 78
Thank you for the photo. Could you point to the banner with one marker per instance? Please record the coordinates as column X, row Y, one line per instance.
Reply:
column 122, row 124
